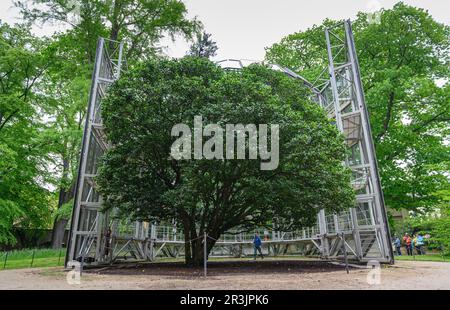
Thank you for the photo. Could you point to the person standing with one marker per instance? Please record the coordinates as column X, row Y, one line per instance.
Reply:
column 407, row 240
column 419, row 242
column 398, row 245
column 257, row 246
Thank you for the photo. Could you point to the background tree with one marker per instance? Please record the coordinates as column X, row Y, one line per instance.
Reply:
column 24, row 199
column 436, row 223
column 404, row 65
column 140, row 179
column 65, row 90
column 203, row 46
column 140, row 24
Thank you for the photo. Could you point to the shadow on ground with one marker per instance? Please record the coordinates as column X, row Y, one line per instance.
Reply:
column 219, row 268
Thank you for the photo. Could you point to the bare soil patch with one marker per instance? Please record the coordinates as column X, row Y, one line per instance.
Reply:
column 226, row 269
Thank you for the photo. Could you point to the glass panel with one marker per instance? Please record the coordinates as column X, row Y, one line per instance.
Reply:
column 364, row 214
column 94, row 154
column 89, row 193
column 86, row 247
column 88, row 219
column 343, row 85
column 330, row 223
column 344, row 221
column 97, row 119
column 354, row 158
column 359, row 180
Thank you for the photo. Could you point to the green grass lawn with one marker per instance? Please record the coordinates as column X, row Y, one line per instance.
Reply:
column 24, row 258
column 427, row 257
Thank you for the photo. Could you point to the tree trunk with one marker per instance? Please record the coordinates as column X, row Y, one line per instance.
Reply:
column 197, row 252
column 58, row 233
column 194, row 248
column 115, row 26
column 187, row 244
column 193, row 253
column 65, row 195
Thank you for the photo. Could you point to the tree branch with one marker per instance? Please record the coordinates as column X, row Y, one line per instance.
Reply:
column 387, row 118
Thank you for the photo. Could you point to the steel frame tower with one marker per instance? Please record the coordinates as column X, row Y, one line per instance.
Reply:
column 87, row 220
column 361, row 233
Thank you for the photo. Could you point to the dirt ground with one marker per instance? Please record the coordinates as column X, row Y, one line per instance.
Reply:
column 261, row 275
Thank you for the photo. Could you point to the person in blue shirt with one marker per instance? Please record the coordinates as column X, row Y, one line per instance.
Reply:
column 419, row 243
column 257, row 246
column 398, row 245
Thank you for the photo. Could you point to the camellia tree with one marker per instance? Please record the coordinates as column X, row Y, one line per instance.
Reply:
column 404, row 57
column 141, row 179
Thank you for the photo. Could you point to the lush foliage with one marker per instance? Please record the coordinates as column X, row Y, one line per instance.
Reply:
column 213, row 196
column 44, row 85
column 404, row 64
column 44, row 92
column 23, row 168
column 140, row 24
column 203, row 46
column 436, row 223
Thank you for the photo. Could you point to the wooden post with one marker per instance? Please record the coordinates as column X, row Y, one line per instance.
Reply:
column 204, row 255
column 59, row 256
column 345, row 253
column 32, row 258
column 6, row 259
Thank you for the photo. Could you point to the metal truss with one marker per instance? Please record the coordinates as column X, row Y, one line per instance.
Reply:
column 361, row 233
column 363, row 229
column 86, row 239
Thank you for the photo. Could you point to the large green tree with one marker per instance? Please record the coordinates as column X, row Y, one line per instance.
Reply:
column 404, row 63
column 24, row 198
column 141, row 179
column 140, row 24
column 64, row 96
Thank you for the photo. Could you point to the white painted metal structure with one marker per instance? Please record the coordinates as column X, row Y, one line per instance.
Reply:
column 87, row 232
column 341, row 95
column 362, row 232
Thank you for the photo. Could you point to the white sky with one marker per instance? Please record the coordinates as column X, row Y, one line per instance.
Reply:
column 243, row 28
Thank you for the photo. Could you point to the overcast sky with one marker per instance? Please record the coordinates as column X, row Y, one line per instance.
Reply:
column 243, row 28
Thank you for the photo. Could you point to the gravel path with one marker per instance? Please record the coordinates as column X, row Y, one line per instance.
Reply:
column 248, row 275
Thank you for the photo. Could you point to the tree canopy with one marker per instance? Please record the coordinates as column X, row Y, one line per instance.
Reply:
column 139, row 177
column 203, row 46
column 140, row 24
